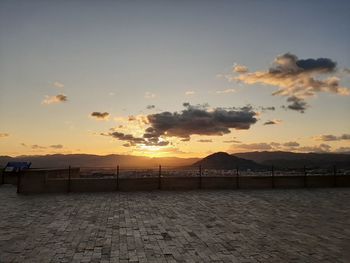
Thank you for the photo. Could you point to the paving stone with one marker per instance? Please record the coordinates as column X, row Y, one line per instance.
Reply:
column 300, row 225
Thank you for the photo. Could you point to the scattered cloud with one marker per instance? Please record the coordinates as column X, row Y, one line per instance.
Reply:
column 330, row 137
column 240, row 69
column 56, row 146
column 232, row 141
column 272, row 122
column 275, row 146
column 254, row 146
column 149, row 95
column 296, row 104
column 58, row 84
column 190, row 93
column 133, row 141
column 320, row 148
column 4, row 135
column 199, row 120
column 150, row 107
column 37, row 147
column 54, row 99
column 205, row 140
column 193, row 120
column 291, row 144
column 225, row 91
column 100, row 115
column 297, row 79
column 343, row 150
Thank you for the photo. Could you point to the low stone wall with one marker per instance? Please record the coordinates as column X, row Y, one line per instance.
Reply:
column 40, row 182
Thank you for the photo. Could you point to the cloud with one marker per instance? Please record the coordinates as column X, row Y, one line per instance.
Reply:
column 343, row 150
column 133, row 141
column 225, row 91
column 232, row 141
column 272, row 122
column 54, row 99
column 321, row 148
column 56, row 146
column 190, row 93
column 192, row 120
column 205, row 140
column 150, row 107
column 254, row 146
column 274, row 146
column 4, row 135
column 297, row 104
column 330, row 137
column 100, row 115
column 58, row 84
column 271, row 108
column 37, row 147
column 297, row 79
column 199, row 120
column 291, row 144
column 240, row 69
column 149, row 95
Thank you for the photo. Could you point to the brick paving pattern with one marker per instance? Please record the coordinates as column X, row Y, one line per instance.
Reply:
column 194, row 226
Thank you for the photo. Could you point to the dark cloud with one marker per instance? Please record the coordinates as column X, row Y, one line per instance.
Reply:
column 330, row 137
column 150, row 107
column 100, row 115
column 132, row 141
column 55, row 99
column 291, row 144
column 324, row 64
column 205, row 140
column 297, row 104
column 272, row 108
column 272, row 122
column 199, row 120
column 297, row 78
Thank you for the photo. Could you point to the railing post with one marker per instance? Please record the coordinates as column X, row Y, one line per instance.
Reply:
column 237, row 178
column 273, row 176
column 117, row 177
column 159, row 177
column 305, row 176
column 335, row 176
column 68, row 188
column 200, row 176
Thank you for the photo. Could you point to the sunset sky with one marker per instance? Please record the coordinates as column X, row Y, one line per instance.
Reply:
column 174, row 78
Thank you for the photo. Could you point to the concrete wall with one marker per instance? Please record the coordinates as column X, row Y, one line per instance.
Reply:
column 40, row 182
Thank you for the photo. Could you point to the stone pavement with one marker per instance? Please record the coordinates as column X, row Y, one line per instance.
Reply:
column 195, row 226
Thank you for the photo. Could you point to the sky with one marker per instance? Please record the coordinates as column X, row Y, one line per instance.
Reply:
column 174, row 78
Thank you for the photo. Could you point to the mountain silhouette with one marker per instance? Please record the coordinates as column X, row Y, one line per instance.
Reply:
column 225, row 161
column 281, row 159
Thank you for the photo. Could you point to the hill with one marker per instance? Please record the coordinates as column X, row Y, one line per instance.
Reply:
column 222, row 160
column 296, row 160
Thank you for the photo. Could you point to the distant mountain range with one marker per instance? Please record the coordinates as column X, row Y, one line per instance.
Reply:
column 296, row 160
column 90, row 160
column 220, row 160
column 223, row 160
